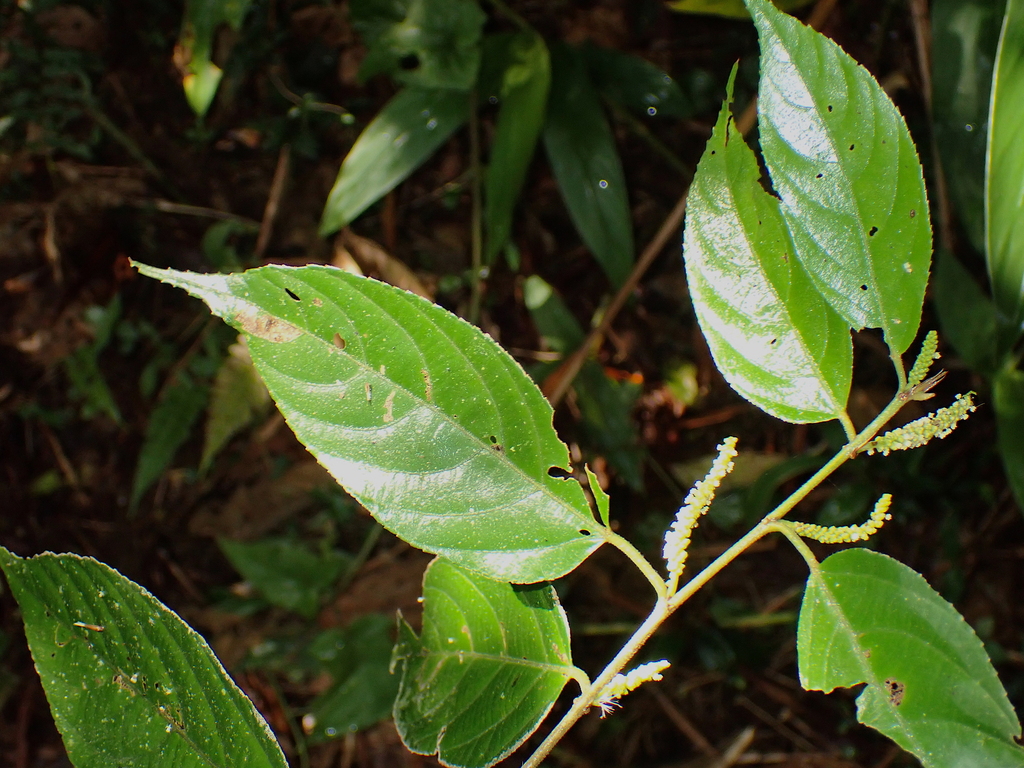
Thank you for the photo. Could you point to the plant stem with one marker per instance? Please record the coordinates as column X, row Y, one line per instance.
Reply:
column 641, row 562
column 476, row 226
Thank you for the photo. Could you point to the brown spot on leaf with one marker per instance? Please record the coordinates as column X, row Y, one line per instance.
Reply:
column 258, row 323
column 895, row 689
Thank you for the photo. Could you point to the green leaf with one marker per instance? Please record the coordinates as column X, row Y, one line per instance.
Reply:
column 363, row 692
column 419, row 415
column 422, row 43
column 202, row 18
column 606, row 406
column 635, row 83
column 1008, row 394
column 400, row 138
column 581, row 148
column 966, row 315
column 285, row 572
column 731, row 9
column 488, row 667
column 843, row 163
column 238, row 396
column 524, row 96
column 1004, row 198
column 772, row 335
column 965, row 34
column 129, row 682
column 931, row 688
column 170, row 425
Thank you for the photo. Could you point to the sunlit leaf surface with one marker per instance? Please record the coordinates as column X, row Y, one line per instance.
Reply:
column 488, row 666
column 931, row 688
column 129, row 683
column 420, row 416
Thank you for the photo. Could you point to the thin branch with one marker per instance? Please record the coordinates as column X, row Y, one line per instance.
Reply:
column 273, row 201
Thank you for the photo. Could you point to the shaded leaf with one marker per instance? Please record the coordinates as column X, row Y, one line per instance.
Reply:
column 1008, row 393
column 397, row 141
column 422, row 43
column 583, row 156
column 195, row 47
column 635, row 83
column 419, row 415
column 964, row 36
column 1004, row 196
column 931, row 688
column 286, row 572
column 843, row 163
column 237, row 397
column 966, row 315
column 524, row 95
column 129, row 683
column 487, row 668
column 732, row 9
column 170, row 425
column 772, row 335
column 606, row 406
column 363, row 691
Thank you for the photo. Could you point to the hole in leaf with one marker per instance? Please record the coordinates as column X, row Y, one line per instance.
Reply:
column 820, row 175
column 713, row 152
column 773, row 341
column 895, row 689
column 559, row 473
column 863, row 287
column 292, row 294
column 872, row 231
column 584, row 532
column 338, row 341
column 494, row 440
column 409, row 62
column 829, row 107
column 852, row 146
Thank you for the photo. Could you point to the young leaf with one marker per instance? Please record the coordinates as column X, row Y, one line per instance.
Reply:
column 421, row 43
column 931, row 688
column 1004, row 194
column 419, row 415
column 581, row 148
column 524, row 97
column 965, row 34
column 169, row 426
column 843, row 163
column 488, row 666
column 237, row 397
column 1008, row 394
column 772, row 335
column 635, row 83
column 129, row 682
column 395, row 143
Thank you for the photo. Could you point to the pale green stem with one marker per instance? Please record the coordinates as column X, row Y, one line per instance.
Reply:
column 851, row 431
column 786, row 529
column 641, row 562
column 901, row 373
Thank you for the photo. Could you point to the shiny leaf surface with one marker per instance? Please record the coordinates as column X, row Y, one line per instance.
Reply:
column 488, row 666
column 581, row 149
column 129, row 683
column 523, row 95
column 843, row 163
column 420, row 416
column 772, row 335
column 1004, row 200
column 400, row 138
column 931, row 688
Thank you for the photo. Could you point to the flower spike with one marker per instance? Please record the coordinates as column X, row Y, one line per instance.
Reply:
column 620, row 685
column 920, row 431
column 847, row 534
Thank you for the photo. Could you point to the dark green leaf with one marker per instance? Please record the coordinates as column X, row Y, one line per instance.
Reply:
column 1005, row 189
column 844, row 165
column 419, row 415
column 931, row 688
column 489, row 665
column 202, row 18
column 238, row 396
column 1008, row 391
column 286, row 572
column 170, row 425
column 772, row 335
column 422, row 43
column 362, row 691
column 966, row 315
column 605, row 405
column 635, row 83
column 398, row 140
column 964, row 36
column 524, row 96
column 581, row 148
column 129, row 683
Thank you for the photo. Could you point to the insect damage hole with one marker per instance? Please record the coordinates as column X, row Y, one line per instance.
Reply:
column 389, row 407
column 292, row 295
column 559, row 472
column 339, row 342
column 872, row 231
column 895, row 690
